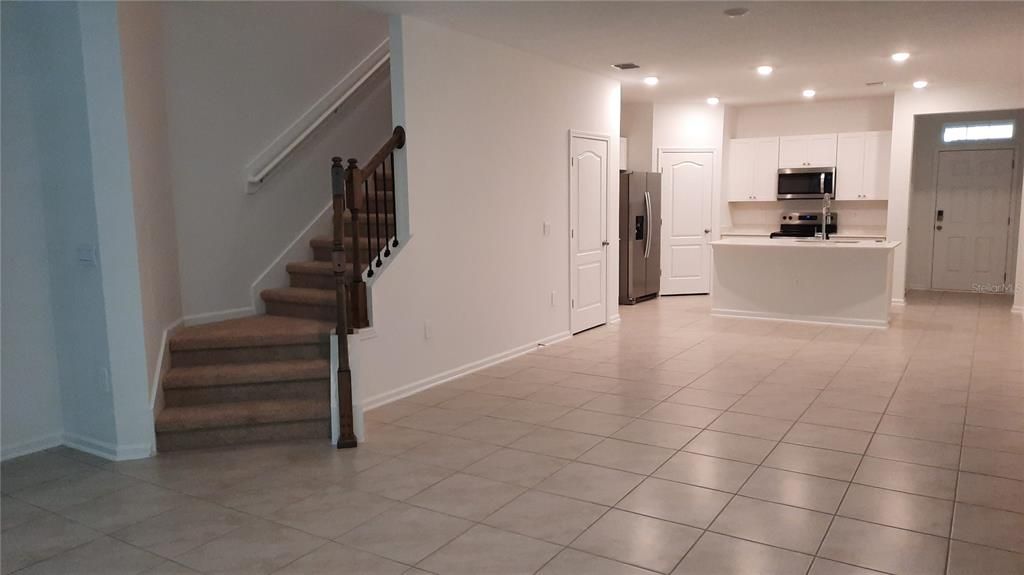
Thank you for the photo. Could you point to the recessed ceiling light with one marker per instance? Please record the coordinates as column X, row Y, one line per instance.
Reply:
column 713, row 101
column 920, row 84
column 626, row 66
column 735, row 12
column 808, row 93
column 651, row 80
column 765, row 70
column 900, row 56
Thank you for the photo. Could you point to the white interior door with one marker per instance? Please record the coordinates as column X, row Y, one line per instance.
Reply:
column 588, row 190
column 973, row 196
column 687, row 179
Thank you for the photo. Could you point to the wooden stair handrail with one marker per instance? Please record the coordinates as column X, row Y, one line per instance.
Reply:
column 351, row 192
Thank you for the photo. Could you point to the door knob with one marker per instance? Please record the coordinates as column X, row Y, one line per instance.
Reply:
column 605, row 243
column 939, row 227
column 707, row 230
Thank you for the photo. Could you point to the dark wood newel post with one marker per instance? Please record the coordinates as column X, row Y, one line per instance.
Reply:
column 341, row 180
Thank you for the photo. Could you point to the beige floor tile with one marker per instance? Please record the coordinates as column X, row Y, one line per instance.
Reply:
column 591, row 483
column 450, row 452
column 487, row 550
column 911, row 450
column 467, row 496
column 573, row 562
column 988, row 462
column 833, row 438
column 619, row 405
column 556, row 442
column 38, row 468
column 991, row 527
column 170, row 568
column 406, row 533
column 261, row 547
column 437, row 420
column 510, row 388
column 564, row 396
column 545, row 516
column 921, row 429
column 752, row 425
column 335, row 559
column 724, row 555
column 840, row 417
column 637, row 540
column 705, row 398
column 988, row 491
column 474, row 402
column 796, row 489
column 398, row 478
column 969, row 559
column 677, row 502
column 39, row 539
column 997, row 439
column 75, row 489
column 823, row 566
column 531, row 412
column 514, row 466
column 539, row 375
column 104, row 555
column 773, row 524
column 849, row 400
column 814, row 461
column 657, row 434
column 907, row 477
column 592, row 422
column 730, row 446
column 393, row 440
column 435, row 395
column 332, row 512
column 182, row 529
column 680, row 414
column 706, row 471
column 16, row 512
column 617, row 454
column 777, row 406
column 896, row 509
column 494, row 430
column 884, row 548
column 393, row 411
column 125, row 507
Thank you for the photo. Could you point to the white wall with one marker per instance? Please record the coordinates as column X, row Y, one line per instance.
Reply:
column 799, row 118
column 638, row 127
column 31, row 416
column 142, row 63
column 488, row 164
column 238, row 75
column 928, row 144
column 816, row 117
column 933, row 100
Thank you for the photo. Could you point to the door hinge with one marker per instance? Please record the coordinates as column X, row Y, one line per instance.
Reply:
column 572, row 233
column 572, row 303
column 572, row 160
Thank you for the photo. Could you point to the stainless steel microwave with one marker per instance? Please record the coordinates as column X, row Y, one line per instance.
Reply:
column 806, row 183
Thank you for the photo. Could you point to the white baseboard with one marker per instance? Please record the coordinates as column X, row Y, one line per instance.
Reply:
column 31, row 446
column 210, row 317
column 615, row 319
column 824, row 320
column 276, row 274
column 1017, row 309
column 899, row 301
column 446, row 376
column 108, row 450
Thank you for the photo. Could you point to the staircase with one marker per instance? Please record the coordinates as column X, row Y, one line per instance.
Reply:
column 267, row 377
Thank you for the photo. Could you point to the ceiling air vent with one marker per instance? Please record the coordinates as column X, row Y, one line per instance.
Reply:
column 626, row 66
column 874, row 84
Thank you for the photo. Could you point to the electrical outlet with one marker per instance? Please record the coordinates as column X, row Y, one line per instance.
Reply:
column 426, row 330
column 547, row 228
column 553, row 298
column 86, row 255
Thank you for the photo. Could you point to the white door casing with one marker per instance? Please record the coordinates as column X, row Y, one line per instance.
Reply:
column 687, row 184
column 973, row 191
column 588, row 230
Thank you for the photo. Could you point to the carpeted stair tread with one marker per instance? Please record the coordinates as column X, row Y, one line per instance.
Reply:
column 313, row 267
column 244, row 373
column 260, row 330
column 221, row 415
column 301, row 296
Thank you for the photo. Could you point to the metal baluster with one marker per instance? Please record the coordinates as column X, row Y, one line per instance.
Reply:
column 394, row 197
column 377, row 198
column 387, row 211
column 369, row 244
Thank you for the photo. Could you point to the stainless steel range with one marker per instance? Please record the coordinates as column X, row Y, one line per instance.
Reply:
column 805, row 225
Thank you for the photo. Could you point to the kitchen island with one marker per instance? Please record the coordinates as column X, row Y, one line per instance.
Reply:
column 836, row 281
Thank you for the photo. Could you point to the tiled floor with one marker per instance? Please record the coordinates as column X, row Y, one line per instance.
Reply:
column 671, row 442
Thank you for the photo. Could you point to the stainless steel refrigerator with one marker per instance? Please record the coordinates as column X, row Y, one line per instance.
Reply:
column 639, row 236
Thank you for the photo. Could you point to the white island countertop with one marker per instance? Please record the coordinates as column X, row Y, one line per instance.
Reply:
column 837, row 243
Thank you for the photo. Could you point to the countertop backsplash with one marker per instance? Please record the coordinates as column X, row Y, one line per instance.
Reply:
column 856, row 218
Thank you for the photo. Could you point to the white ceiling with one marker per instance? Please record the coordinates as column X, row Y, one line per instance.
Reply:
column 696, row 51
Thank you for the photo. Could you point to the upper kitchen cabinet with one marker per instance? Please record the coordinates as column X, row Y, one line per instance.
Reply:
column 753, row 169
column 816, row 151
column 862, row 166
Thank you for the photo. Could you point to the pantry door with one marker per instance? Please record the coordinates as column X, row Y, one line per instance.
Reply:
column 588, row 231
column 687, row 182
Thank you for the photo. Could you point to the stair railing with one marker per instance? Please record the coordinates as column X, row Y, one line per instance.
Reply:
column 360, row 192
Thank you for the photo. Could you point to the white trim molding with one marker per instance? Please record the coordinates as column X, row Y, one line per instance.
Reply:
column 283, row 145
column 107, row 450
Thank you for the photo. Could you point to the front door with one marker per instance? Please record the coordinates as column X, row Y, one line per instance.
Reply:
column 972, row 219
column 687, row 179
column 588, row 229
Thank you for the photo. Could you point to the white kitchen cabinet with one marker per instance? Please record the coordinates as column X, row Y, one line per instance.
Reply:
column 815, row 151
column 753, row 169
column 862, row 165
